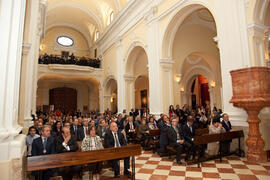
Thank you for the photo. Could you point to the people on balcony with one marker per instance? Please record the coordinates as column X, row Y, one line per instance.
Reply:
column 81, row 61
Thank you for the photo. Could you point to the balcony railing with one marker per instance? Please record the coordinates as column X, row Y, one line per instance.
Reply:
column 73, row 60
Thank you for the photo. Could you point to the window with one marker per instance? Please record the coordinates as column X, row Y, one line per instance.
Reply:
column 110, row 18
column 96, row 35
column 65, row 41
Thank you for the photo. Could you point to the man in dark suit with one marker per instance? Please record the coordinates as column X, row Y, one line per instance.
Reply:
column 163, row 125
column 226, row 124
column 115, row 138
column 177, row 141
column 67, row 143
column 188, row 132
column 130, row 128
column 77, row 130
column 42, row 146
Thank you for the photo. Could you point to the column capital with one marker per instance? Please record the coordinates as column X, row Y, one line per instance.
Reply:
column 128, row 77
column 26, row 48
column 166, row 63
column 258, row 30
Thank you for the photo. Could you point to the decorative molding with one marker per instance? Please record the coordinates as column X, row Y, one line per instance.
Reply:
column 26, row 48
column 258, row 27
column 130, row 15
column 70, row 67
column 129, row 77
column 150, row 15
column 194, row 62
column 166, row 61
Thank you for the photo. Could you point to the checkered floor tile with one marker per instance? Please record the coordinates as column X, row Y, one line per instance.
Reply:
column 151, row 166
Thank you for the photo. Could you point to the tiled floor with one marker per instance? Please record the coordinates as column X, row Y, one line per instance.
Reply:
column 150, row 166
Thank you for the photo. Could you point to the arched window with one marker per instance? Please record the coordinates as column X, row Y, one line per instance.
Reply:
column 110, row 18
column 96, row 35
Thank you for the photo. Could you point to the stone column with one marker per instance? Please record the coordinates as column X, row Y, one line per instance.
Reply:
column 183, row 98
column 107, row 102
column 130, row 92
column 30, row 63
column 12, row 144
column 101, row 100
column 153, row 52
column 234, row 51
column 167, row 84
column 212, row 96
column 120, row 76
column 257, row 41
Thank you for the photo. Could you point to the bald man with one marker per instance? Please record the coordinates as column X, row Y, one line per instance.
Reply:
column 115, row 138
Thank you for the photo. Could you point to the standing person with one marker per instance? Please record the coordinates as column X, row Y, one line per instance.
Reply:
column 115, row 138
column 90, row 143
column 29, row 139
column 77, row 130
column 44, row 145
column 171, row 111
column 226, row 124
column 67, row 143
column 163, row 125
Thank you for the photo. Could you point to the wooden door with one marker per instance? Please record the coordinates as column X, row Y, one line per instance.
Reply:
column 64, row 99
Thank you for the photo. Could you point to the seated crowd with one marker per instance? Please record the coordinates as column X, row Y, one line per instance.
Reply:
column 55, row 132
column 56, row 59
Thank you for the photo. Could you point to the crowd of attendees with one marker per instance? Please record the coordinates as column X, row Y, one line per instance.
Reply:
column 71, row 59
column 55, row 132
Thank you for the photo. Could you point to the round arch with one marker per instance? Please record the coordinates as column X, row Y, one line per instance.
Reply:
column 110, row 94
column 259, row 10
column 181, row 12
column 130, row 58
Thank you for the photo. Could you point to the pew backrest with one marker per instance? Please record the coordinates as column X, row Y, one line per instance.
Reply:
column 43, row 162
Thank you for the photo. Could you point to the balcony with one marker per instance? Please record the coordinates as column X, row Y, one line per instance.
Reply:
column 69, row 60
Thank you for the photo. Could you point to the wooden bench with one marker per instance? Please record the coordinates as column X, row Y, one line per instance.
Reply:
column 201, row 131
column 210, row 138
column 38, row 163
column 198, row 132
column 154, row 142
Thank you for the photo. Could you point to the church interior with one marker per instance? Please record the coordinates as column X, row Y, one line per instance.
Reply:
column 135, row 89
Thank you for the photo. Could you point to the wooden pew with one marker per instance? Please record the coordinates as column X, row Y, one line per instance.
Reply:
column 209, row 138
column 37, row 163
column 154, row 141
column 201, row 131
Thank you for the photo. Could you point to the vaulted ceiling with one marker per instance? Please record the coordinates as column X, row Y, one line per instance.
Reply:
column 86, row 16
